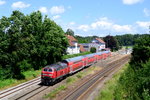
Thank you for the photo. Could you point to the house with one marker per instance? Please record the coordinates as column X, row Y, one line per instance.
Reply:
column 98, row 43
column 82, row 48
column 74, row 47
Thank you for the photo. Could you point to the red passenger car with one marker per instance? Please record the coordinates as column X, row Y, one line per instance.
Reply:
column 75, row 63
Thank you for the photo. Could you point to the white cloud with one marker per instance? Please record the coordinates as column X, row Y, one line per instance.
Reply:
column 72, row 23
column 84, row 27
column 102, row 23
column 122, row 28
column 20, row 4
column 2, row 2
column 57, row 10
column 144, row 25
column 130, row 2
column 43, row 9
column 105, row 25
column 56, row 17
column 146, row 12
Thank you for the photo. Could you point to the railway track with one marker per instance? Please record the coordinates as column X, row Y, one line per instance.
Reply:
column 29, row 89
column 18, row 88
column 81, row 91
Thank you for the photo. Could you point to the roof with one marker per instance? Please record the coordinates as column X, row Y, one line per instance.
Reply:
column 71, row 39
column 100, row 40
column 74, row 59
column 82, row 48
column 57, row 66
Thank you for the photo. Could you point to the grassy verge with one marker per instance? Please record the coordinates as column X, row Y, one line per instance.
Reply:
column 56, row 91
column 70, row 80
column 12, row 82
column 107, row 92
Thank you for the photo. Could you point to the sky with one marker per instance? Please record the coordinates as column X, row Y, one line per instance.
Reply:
column 88, row 17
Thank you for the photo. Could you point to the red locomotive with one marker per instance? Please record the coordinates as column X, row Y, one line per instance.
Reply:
column 53, row 72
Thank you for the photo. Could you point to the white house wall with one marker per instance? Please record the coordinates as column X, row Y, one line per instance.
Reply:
column 73, row 50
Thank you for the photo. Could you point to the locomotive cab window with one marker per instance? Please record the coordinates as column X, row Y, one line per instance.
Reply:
column 49, row 70
column 45, row 69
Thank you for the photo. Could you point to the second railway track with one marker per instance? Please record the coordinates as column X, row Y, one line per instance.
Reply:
column 80, row 92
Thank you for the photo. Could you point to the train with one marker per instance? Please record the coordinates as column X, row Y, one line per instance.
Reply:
column 53, row 72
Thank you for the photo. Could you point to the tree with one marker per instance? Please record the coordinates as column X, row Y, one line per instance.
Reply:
column 111, row 43
column 28, row 42
column 92, row 49
column 141, row 51
column 69, row 32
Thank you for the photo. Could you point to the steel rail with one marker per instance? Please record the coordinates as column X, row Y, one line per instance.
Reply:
column 77, row 92
column 19, row 87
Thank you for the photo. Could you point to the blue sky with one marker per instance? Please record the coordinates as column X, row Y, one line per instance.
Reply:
column 88, row 17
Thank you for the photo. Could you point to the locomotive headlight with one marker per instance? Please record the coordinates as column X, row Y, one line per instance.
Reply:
column 47, row 74
column 50, row 74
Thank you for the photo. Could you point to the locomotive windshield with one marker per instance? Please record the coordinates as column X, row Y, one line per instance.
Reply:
column 48, row 70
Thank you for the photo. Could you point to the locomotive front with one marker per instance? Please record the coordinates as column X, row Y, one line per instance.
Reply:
column 47, row 75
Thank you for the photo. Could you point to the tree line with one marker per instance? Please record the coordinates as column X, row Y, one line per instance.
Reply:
column 29, row 42
column 113, row 42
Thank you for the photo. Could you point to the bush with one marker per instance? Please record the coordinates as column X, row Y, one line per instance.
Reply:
column 92, row 49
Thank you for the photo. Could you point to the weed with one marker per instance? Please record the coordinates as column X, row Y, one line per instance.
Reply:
column 56, row 91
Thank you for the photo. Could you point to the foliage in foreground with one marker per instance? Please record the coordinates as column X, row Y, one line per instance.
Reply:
column 134, row 84
column 28, row 42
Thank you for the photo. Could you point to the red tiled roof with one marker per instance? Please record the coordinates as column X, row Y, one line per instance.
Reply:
column 71, row 39
column 100, row 40
column 82, row 48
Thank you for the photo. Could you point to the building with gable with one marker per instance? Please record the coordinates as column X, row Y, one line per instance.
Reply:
column 98, row 43
column 74, row 47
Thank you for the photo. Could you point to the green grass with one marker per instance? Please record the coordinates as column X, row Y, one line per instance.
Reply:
column 70, row 80
column 12, row 82
column 56, row 91
column 107, row 93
